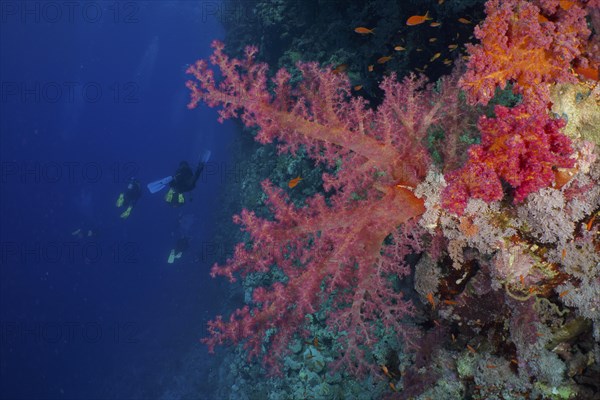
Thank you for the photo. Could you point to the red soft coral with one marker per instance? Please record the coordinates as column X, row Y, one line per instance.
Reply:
column 526, row 45
column 344, row 249
column 520, row 146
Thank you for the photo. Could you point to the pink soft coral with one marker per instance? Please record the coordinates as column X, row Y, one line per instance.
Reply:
column 520, row 146
column 343, row 249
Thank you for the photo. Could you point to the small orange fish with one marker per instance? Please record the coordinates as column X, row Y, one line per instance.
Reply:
column 435, row 57
column 452, row 47
column 386, row 371
column 440, row 2
column 471, row 349
column 542, row 19
column 563, row 293
column 450, row 302
column 433, row 39
column 364, row 31
column 522, row 280
column 370, row 68
column 591, row 223
column 435, row 24
column 316, row 342
column 340, row 68
column 384, row 59
column 418, row 19
column 490, row 366
column 294, row 182
column 464, row 21
column 563, row 254
column 447, row 61
column 393, row 387
column 357, row 87
column 430, row 299
column 399, row 48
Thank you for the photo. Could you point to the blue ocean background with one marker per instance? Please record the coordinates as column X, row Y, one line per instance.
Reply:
column 89, row 306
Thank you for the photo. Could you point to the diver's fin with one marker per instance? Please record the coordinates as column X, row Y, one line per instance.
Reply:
column 171, row 257
column 159, row 185
column 126, row 213
column 169, row 196
column 205, row 156
column 120, row 200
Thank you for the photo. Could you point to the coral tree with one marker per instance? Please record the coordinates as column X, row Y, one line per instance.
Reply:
column 331, row 247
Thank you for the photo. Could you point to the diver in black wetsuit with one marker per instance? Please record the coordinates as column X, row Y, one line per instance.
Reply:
column 130, row 197
column 183, row 181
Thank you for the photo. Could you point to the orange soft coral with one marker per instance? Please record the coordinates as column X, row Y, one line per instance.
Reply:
column 527, row 45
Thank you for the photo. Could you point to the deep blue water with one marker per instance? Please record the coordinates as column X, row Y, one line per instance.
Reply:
column 87, row 101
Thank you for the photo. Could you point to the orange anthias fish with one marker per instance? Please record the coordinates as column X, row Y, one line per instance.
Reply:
column 464, row 21
column 435, row 24
column 386, row 371
column 364, row 31
column 294, row 182
column 430, row 299
column 340, row 68
column 418, row 19
column 591, row 222
column 399, row 48
column 435, row 57
column 384, row 59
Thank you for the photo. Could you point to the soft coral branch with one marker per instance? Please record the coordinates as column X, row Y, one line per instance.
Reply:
column 338, row 244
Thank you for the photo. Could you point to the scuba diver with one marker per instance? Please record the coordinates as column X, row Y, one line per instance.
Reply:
column 183, row 181
column 130, row 197
column 181, row 245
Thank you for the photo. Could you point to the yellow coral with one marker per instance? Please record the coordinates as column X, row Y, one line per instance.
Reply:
column 580, row 106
